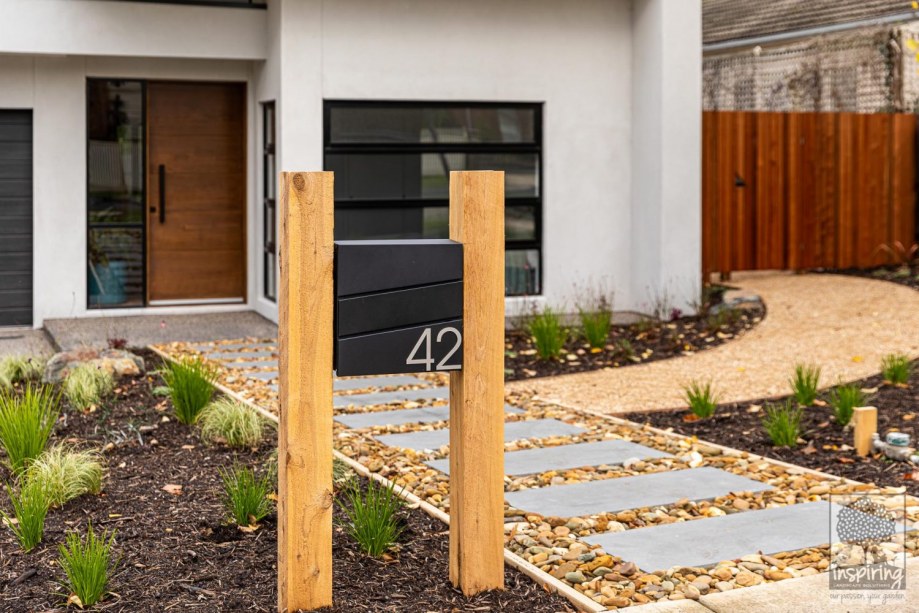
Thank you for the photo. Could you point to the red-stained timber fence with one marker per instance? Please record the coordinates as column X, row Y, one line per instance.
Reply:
column 806, row 190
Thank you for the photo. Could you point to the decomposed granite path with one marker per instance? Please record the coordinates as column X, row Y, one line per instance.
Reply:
column 843, row 324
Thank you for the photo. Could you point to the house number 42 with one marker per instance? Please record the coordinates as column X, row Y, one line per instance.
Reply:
column 451, row 334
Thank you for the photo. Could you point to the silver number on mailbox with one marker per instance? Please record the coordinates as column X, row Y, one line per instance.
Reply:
column 428, row 361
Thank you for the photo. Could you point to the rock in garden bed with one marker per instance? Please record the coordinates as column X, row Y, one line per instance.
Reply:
column 162, row 494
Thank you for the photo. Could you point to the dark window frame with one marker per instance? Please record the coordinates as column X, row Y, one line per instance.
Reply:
column 269, row 247
column 536, row 147
column 143, row 224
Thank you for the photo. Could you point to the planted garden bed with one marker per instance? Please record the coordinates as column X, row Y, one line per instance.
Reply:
column 824, row 444
column 906, row 274
column 175, row 545
column 625, row 345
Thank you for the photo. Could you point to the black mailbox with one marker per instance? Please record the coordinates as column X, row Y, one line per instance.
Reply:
column 398, row 306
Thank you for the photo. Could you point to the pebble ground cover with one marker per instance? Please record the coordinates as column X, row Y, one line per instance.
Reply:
column 553, row 543
column 177, row 550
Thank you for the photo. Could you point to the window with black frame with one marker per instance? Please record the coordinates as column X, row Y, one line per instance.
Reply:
column 269, row 203
column 392, row 163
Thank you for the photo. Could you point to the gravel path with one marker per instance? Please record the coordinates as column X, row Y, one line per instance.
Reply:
column 844, row 324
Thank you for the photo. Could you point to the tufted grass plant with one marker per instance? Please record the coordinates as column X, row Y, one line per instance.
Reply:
column 548, row 334
column 783, row 424
column 66, row 473
column 87, row 385
column 595, row 314
column 191, row 386
column 26, row 421
column 20, row 369
column 372, row 516
column 844, row 399
column 804, row 383
column 896, row 368
column 30, row 506
column 702, row 398
column 88, row 565
column 246, row 495
column 233, row 423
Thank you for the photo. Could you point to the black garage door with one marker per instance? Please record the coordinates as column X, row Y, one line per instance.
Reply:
column 15, row 218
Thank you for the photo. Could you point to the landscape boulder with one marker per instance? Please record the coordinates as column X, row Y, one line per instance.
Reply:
column 117, row 361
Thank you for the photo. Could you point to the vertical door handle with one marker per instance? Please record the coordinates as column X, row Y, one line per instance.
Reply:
column 162, row 175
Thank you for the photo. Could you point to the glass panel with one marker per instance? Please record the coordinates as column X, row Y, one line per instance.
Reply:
column 116, row 267
column 520, row 223
column 448, row 124
column 425, row 176
column 115, row 176
column 390, row 223
column 521, row 272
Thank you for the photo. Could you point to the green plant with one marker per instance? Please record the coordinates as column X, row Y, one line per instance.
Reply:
column 30, row 506
column 625, row 348
column 246, row 495
column 783, row 424
column 844, row 399
column 88, row 565
column 701, row 398
column 373, row 517
column 804, row 383
column 20, row 369
column 341, row 472
column 66, row 473
column 26, row 421
column 548, row 334
column 896, row 368
column 87, row 385
column 596, row 321
column 229, row 421
column 191, row 386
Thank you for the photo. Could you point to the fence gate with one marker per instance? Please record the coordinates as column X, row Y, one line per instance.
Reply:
column 806, row 190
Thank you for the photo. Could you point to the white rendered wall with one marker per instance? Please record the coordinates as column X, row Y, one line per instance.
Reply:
column 102, row 27
column 666, row 247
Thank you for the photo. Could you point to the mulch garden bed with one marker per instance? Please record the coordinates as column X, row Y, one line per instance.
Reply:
column 827, row 446
column 638, row 343
column 177, row 552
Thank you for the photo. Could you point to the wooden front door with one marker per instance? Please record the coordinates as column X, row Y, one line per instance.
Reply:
column 196, row 192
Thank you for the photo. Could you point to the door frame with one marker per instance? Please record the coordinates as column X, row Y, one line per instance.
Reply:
column 145, row 241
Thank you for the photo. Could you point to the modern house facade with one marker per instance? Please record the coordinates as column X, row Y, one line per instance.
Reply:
column 140, row 143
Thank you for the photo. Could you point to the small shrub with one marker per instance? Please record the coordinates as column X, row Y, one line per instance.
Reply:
column 246, row 495
column 727, row 316
column 804, row 383
column 117, row 343
column 783, row 424
column 844, row 399
column 88, row 565
column 701, row 398
column 26, row 421
column 86, row 385
column 191, row 386
column 548, row 334
column 30, row 506
column 229, row 421
column 595, row 312
column 20, row 369
column 341, row 472
column 66, row 473
column 373, row 517
column 625, row 349
column 896, row 368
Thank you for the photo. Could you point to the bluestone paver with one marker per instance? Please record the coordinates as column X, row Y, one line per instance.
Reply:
column 210, row 347
column 646, row 490
column 255, row 364
column 423, row 415
column 435, row 439
column 706, row 541
column 241, row 355
column 371, row 382
column 535, row 461
column 364, row 400
column 268, row 375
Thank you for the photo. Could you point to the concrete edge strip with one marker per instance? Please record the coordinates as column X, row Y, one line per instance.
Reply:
column 543, row 579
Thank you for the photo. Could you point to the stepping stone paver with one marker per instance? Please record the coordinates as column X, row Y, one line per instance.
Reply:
column 241, row 355
column 365, row 400
column 270, row 375
column 231, row 346
column 371, row 382
column 399, row 417
column 435, row 439
column 535, row 461
column 646, row 490
column 256, row 364
column 707, row 541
